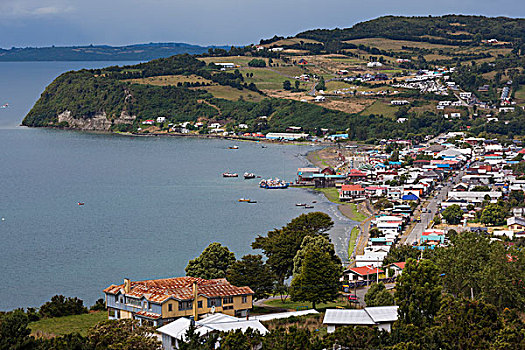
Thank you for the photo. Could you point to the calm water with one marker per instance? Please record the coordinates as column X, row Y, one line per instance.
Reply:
column 151, row 204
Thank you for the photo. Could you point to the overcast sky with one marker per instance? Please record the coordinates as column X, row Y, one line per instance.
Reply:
column 206, row 22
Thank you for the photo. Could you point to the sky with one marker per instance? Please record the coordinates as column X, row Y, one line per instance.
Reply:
column 26, row 23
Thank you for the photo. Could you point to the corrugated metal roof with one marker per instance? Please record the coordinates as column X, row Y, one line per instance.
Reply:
column 382, row 314
column 347, row 317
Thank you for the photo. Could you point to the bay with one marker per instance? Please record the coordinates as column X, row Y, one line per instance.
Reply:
column 151, row 203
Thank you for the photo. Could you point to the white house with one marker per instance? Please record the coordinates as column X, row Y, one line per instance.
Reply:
column 381, row 316
column 161, row 120
column 374, row 64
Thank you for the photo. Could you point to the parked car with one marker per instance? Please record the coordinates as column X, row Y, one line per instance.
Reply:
column 353, row 298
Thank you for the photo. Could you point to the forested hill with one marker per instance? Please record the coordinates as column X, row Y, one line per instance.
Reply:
column 450, row 29
column 139, row 52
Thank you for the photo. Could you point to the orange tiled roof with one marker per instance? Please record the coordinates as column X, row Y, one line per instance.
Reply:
column 180, row 288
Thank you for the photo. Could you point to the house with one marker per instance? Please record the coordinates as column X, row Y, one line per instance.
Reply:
column 319, row 99
column 465, row 95
column 516, row 223
column 161, row 120
column 215, row 125
column 398, row 268
column 174, row 332
column 225, row 65
column 158, row 302
column 356, row 175
column 302, row 62
column 381, row 316
column 148, row 122
column 286, row 136
column 349, row 192
column 362, row 273
column 374, row 64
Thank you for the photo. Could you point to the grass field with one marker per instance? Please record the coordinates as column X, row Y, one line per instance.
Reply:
column 331, row 193
column 381, row 107
column 265, row 79
column 233, row 94
column 353, row 240
column 165, row 80
column 68, row 324
column 336, row 85
column 520, row 94
column 239, row 60
column 356, row 214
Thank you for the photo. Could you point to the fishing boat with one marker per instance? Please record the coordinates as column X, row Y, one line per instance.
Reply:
column 80, row 203
column 252, row 201
column 234, row 147
column 263, row 146
column 227, row 174
column 300, row 204
column 249, row 175
column 244, row 200
column 273, row 184
column 308, row 207
column 4, row 106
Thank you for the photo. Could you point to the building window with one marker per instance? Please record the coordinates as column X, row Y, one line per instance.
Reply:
column 134, row 302
column 199, row 304
column 244, row 299
column 227, row 300
column 227, row 307
column 185, row 305
column 170, row 307
column 214, row 302
column 121, row 299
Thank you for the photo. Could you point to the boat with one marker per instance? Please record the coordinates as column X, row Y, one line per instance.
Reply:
column 250, row 201
column 234, row 147
column 227, row 174
column 244, row 200
column 314, row 201
column 300, row 204
column 308, row 207
column 249, row 175
column 263, row 146
column 80, row 203
column 273, row 184
column 5, row 106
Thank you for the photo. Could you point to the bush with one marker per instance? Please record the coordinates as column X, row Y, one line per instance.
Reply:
column 257, row 63
column 62, row 306
column 100, row 305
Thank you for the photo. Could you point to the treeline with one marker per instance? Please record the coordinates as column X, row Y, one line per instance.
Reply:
column 436, row 30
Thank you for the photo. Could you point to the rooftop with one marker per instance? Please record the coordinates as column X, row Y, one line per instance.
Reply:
column 180, row 288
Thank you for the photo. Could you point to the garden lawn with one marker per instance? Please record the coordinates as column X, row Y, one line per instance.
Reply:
column 68, row 324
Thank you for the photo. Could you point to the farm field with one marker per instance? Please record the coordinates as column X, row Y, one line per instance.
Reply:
column 230, row 93
column 165, row 80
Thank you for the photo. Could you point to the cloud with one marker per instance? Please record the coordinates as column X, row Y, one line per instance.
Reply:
column 14, row 9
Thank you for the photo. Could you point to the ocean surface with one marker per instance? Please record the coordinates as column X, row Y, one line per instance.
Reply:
column 151, row 203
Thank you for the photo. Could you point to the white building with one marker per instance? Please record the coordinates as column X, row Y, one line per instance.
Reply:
column 381, row 316
column 161, row 120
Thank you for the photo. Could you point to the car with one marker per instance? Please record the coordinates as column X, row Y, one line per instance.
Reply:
column 353, row 298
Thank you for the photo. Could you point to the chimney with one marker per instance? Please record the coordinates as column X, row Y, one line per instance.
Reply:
column 127, row 285
column 195, row 304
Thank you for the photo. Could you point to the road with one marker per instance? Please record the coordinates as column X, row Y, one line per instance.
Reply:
column 431, row 210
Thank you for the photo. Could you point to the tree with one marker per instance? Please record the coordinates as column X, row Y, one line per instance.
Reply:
column 321, row 84
column 123, row 334
column 100, row 305
column 297, row 84
column 418, row 293
column 14, row 331
column 400, row 253
column 251, row 271
column 281, row 245
column 493, row 214
column 212, row 263
column 256, row 62
column 318, row 243
column 453, row 214
column 318, row 278
column 287, row 85
column 62, row 306
column 292, row 338
column 377, row 295
column 466, row 324
column 239, row 340
column 360, row 337
column 193, row 340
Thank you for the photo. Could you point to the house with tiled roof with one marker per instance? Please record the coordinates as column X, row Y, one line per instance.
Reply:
column 349, row 192
column 362, row 273
column 157, row 302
